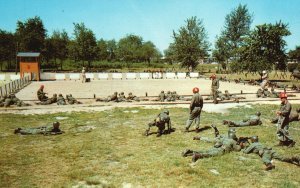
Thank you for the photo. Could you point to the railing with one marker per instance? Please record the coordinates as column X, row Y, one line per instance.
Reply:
column 14, row 86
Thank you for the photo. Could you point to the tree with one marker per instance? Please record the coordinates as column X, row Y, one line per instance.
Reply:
column 111, row 48
column 295, row 54
column 31, row 35
column 129, row 48
column 265, row 48
column 236, row 29
column 7, row 48
column 170, row 56
column 86, row 44
column 103, row 52
column 149, row 52
column 190, row 43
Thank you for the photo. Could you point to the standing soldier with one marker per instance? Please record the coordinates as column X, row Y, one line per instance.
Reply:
column 160, row 122
column 41, row 94
column 264, row 79
column 214, row 88
column 283, row 122
column 195, row 110
column 83, row 76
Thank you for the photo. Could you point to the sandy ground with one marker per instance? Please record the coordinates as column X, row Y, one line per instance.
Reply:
column 102, row 88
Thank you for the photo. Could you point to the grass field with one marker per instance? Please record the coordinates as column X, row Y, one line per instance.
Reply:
column 108, row 149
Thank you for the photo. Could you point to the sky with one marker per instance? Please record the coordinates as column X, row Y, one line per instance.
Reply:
column 153, row 20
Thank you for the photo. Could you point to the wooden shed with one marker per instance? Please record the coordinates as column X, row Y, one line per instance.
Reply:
column 29, row 63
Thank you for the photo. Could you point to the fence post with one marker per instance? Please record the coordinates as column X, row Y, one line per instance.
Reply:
column 5, row 90
column 1, row 91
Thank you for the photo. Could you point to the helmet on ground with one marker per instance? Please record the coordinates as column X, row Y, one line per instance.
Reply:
column 258, row 113
column 195, row 90
column 166, row 112
column 283, row 95
column 56, row 125
column 254, row 139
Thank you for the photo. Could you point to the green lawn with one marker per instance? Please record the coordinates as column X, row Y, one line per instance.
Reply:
column 107, row 148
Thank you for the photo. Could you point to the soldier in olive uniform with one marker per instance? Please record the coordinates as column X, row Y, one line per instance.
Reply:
column 294, row 116
column 61, row 100
column 222, row 145
column 195, row 110
column 41, row 94
column 13, row 100
column 283, row 122
column 45, row 130
column 132, row 97
column 169, row 97
column 251, row 121
column 214, row 87
column 267, row 154
column 160, row 122
column 72, row 100
column 260, row 93
column 122, row 97
column 161, row 96
column 113, row 98
column 51, row 100
column 264, row 78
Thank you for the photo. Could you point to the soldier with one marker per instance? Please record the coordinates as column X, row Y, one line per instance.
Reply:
column 169, row 97
column 267, row 154
column 294, row 116
column 264, row 79
column 273, row 93
column 160, row 122
column 83, row 76
column 45, row 130
column 195, row 110
column 251, row 121
column 132, row 97
column 13, row 100
column 113, row 98
column 122, row 97
column 260, row 93
column 41, row 94
column 61, row 100
column 222, row 145
column 162, row 96
column 229, row 96
column 176, row 96
column 51, row 100
column 72, row 100
column 283, row 122
column 214, row 87
column 2, row 100
column 266, row 92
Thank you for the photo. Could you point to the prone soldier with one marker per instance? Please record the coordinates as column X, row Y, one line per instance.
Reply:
column 251, row 121
column 267, row 154
column 113, row 98
column 72, row 100
column 61, row 100
column 51, row 100
column 132, row 97
column 121, row 97
column 45, row 130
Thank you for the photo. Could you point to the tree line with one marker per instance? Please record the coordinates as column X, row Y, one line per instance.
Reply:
column 237, row 48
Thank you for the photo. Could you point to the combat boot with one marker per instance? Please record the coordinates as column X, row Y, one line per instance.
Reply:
column 225, row 122
column 186, row 153
column 195, row 157
column 291, row 143
column 269, row 167
column 196, row 138
column 281, row 143
column 197, row 130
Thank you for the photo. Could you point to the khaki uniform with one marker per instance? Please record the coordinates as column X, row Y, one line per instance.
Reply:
column 160, row 122
column 131, row 97
column 61, row 100
column 251, row 121
column 195, row 111
column 72, row 100
column 40, row 130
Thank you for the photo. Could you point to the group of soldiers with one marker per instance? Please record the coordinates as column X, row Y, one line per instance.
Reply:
column 59, row 100
column 226, row 144
column 120, row 98
column 169, row 97
column 11, row 99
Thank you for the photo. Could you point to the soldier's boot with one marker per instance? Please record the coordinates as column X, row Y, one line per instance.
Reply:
column 230, row 124
column 269, row 167
column 186, row 129
column 195, row 157
column 281, row 143
column 291, row 143
column 196, row 138
column 186, row 153
column 225, row 122
column 197, row 130
column 146, row 133
column 158, row 134
column 17, row 130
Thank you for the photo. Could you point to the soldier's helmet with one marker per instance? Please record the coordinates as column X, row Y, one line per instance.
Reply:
column 254, row 139
column 162, row 92
column 169, row 92
column 258, row 113
column 129, row 93
column 226, row 91
column 56, row 125
column 166, row 112
column 115, row 93
column 195, row 90
column 55, row 95
column 231, row 134
column 122, row 93
column 70, row 95
column 60, row 95
column 272, row 89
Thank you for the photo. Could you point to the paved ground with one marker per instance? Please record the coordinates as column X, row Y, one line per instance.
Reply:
column 102, row 88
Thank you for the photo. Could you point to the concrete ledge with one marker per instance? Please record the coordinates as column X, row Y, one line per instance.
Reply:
column 117, row 76
column 103, row 76
column 74, row 76
column 131, row 75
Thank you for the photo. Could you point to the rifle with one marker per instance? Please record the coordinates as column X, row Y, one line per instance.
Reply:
column 243, row 141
